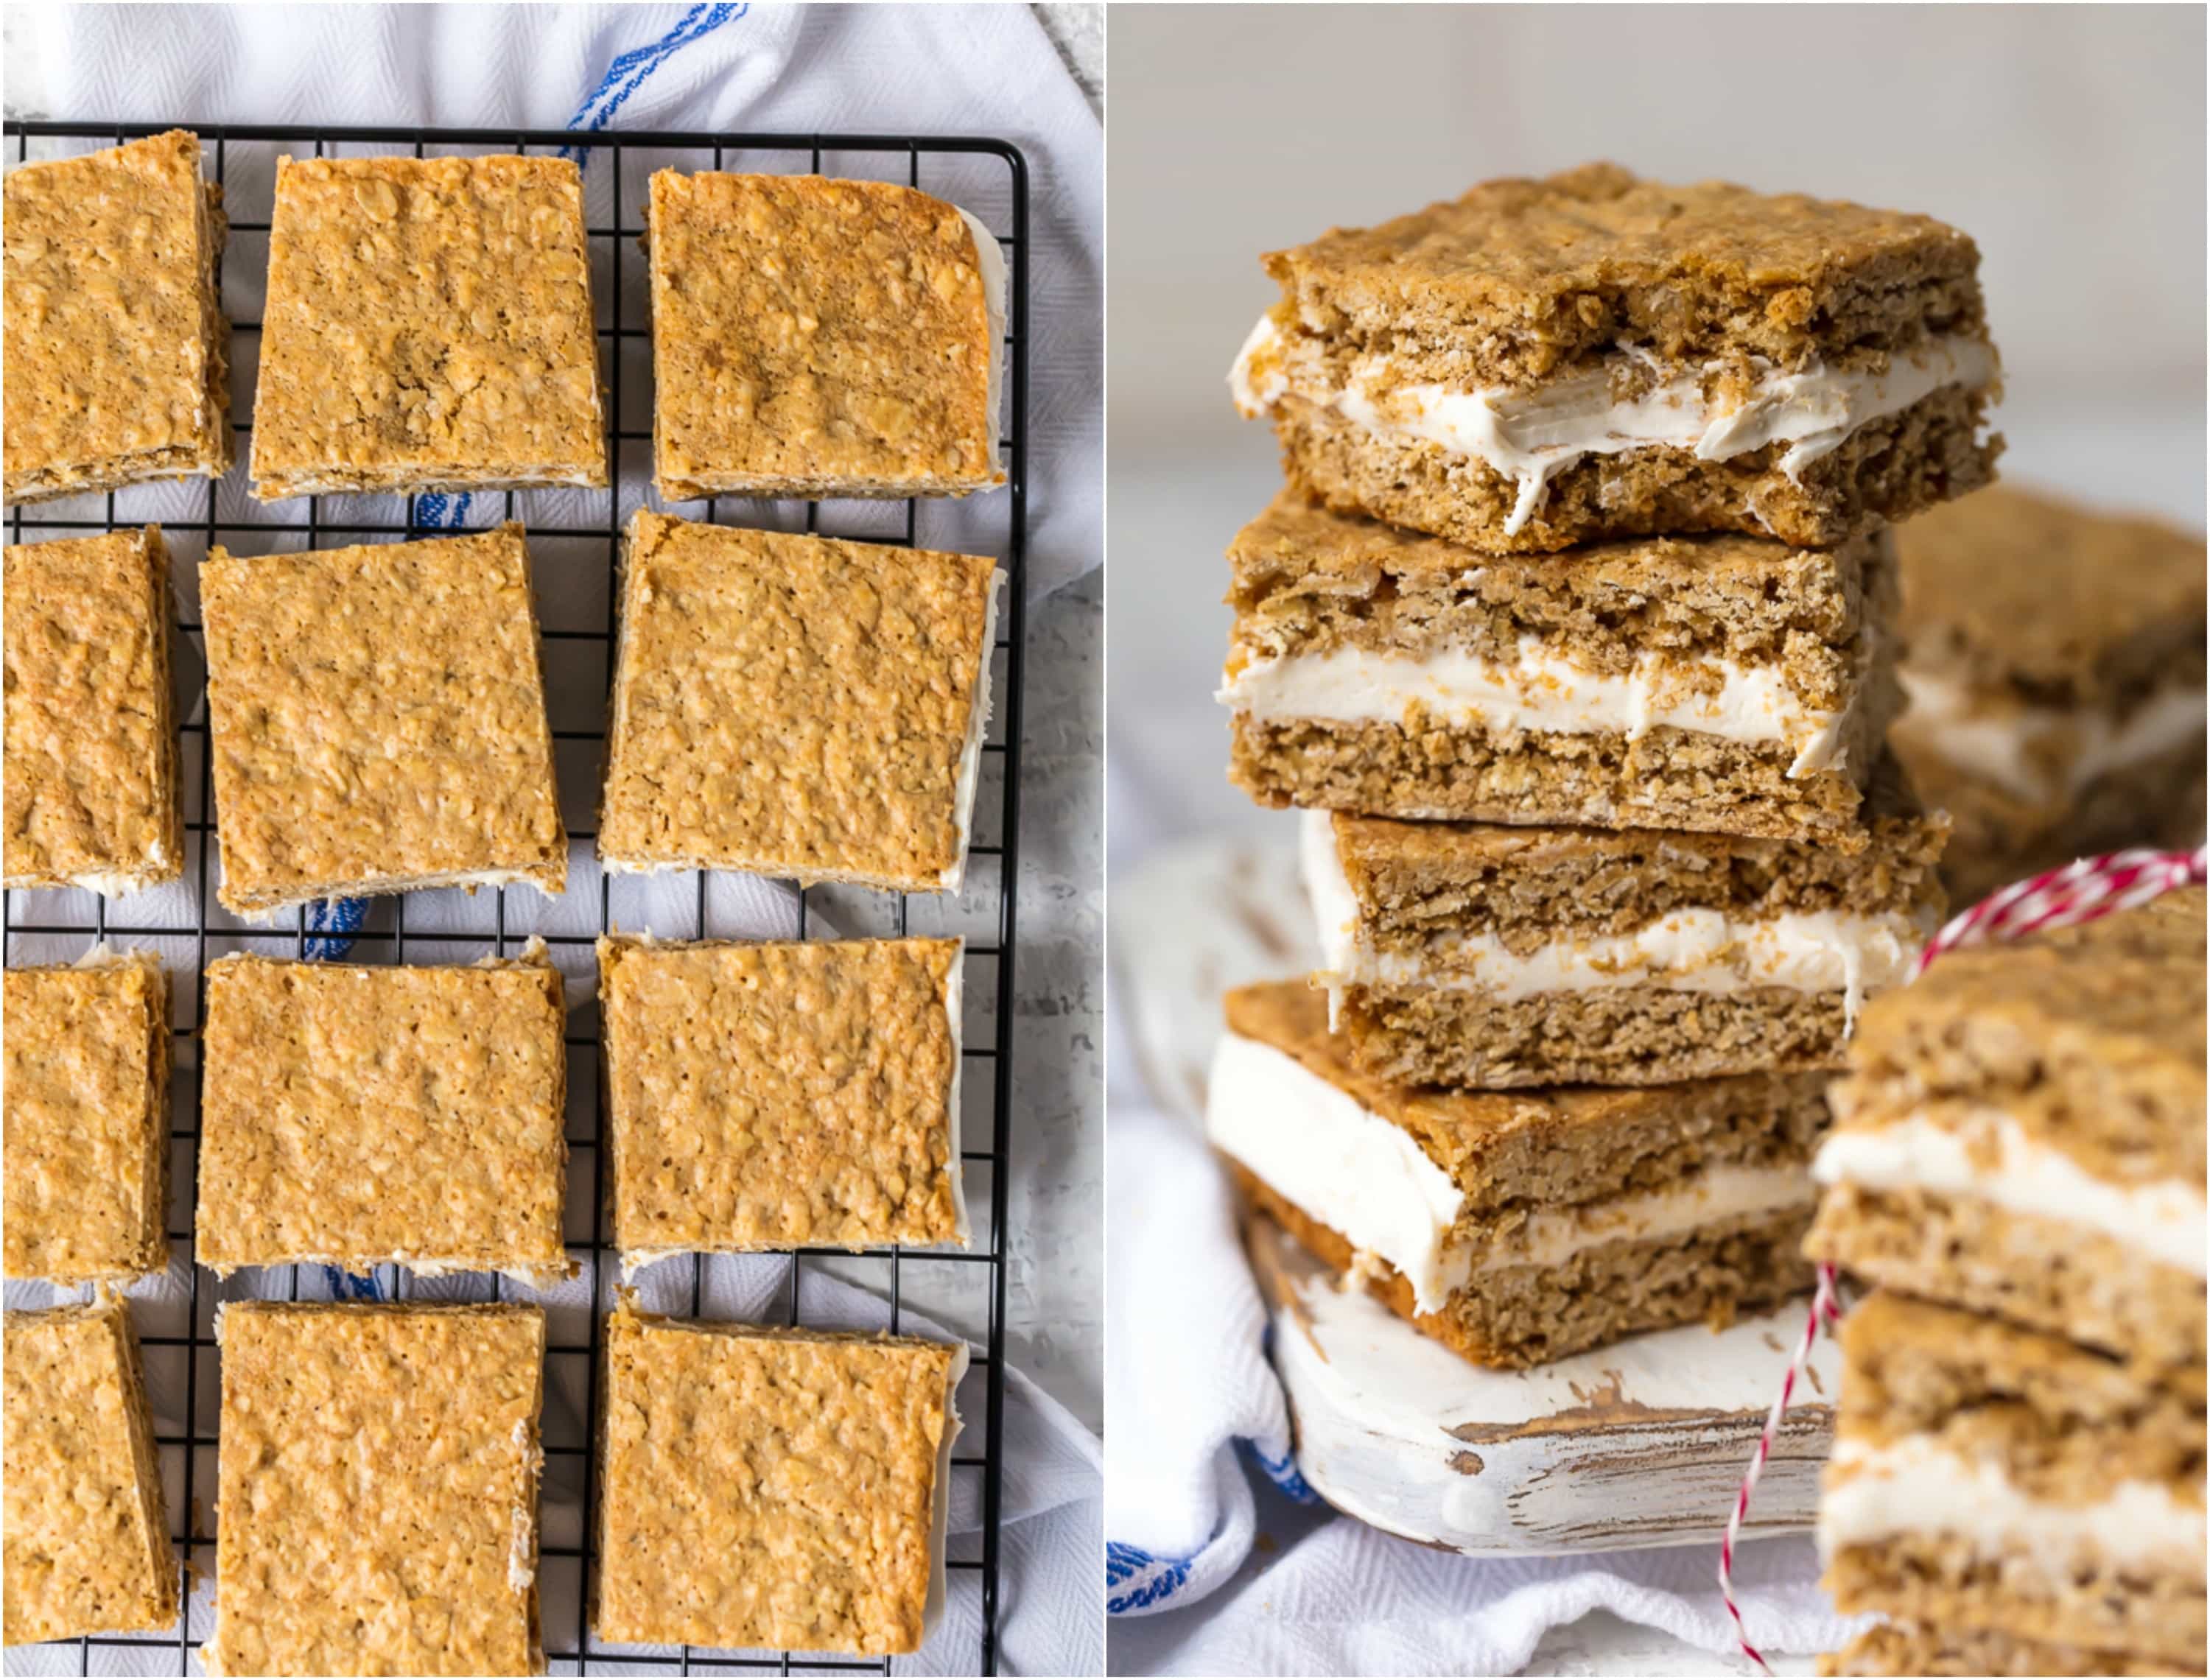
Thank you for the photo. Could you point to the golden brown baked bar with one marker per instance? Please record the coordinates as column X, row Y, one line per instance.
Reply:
column 1518, row 1227
column 795, row 706
column 428, row 326
column 2021, row 1133
column 1544, row 363
column 90, row 771
column 2054, row 658
column 1986, row 1478
column 87, row 1095
column 1718, row 684
column 354, row 1116
column 816, row 337
column 378, row 721
column 1473, row 954
column 1904, row 1648
column 87, row 1529
column 116, row 349
column 766, row 1096
column 777, row 1488
column 377, row 1513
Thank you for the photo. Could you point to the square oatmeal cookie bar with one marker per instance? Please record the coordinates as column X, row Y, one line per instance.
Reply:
column 354, row 1115
column 398, row 1443
column 795, row 706
column 768, row 1096
column 91, row 759
column 816, row 337
column 1518, row 1227
column 1473, row 954
column 1723, row 684
column 1909, row 1649
column 2021, row 1133
column 378, row 721
column 87, row 1529
column 1543, row 362
column 2054, row 658
column 776, row 1488
column 428, row 326
column 87, row 1098
column 117, row 350
column 1994, row 1480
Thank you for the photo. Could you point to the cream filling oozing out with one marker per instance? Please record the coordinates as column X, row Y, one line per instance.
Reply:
column 2041, row 753
column 1689, row 950
column 1989, row 1157
column 1369, row 1180
column 1916, row 1485
column 1531, row 435
column 1542, row 693
column 990, row 259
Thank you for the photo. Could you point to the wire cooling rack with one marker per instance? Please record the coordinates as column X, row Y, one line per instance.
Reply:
column 572, row 539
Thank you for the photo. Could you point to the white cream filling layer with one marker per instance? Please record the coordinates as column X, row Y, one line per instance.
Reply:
column 1530, row 436
column 990, row 259
column 1991, row 1158
column 970, row 752
column 1345, row 1165
column 1370, row 1182
column 1543, row 694
column 1916, row 1486
column 2040, row 753
column 1689, row 950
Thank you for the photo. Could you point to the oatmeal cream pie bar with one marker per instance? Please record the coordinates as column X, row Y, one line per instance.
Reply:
column 1467, row 953
column 1542, row 363
column 1725, row 684
column 91, row 762
column 2020, row 1133
column 2054, row 659
column 428, row 326
column 783, row 1489
column 795, row 706
column 377, row 1507
column 117, row 350
column 816, row 337
column 87, row 1529
column 1909, row 1649
column 780, row 1095
column 1992, row 1480
column 378, row 721
column 1518, row 1227
column 354, row 1115
column 86, row 1093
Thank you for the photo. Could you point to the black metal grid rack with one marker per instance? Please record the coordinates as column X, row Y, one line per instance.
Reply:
column 61, row 924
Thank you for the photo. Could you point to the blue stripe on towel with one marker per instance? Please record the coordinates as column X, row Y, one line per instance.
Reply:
column 631, row 70
column 335, row 920
column 1136, row 1579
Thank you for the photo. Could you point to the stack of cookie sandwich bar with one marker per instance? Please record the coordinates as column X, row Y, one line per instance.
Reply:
column 1570, row 637
column 2017, row 1166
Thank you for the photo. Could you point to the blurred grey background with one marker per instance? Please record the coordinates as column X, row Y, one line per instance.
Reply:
column 2068, row 141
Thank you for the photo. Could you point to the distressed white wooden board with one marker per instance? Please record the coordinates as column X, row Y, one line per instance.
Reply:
column 1641, row 1443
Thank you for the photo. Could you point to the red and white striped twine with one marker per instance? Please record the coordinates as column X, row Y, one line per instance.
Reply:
column 2078, row 891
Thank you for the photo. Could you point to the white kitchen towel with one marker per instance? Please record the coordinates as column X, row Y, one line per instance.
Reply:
column 1200, row 1464
column 885, row 69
